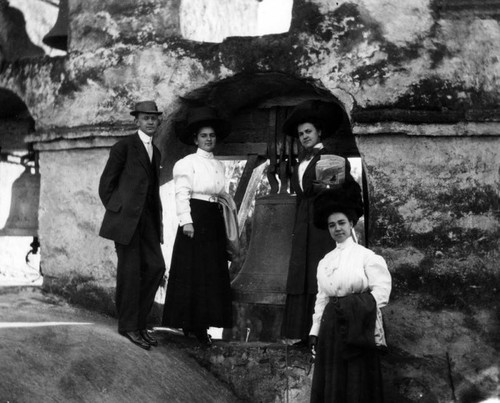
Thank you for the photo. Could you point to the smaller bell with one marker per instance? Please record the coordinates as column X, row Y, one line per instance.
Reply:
column 57, row 37
column 23, row 215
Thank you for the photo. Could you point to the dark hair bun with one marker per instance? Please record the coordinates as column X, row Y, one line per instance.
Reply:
column 345, row 198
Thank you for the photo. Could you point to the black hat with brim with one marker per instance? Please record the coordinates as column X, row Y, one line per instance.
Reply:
column 201, row 117
column 327, row 115
column 145, row 107
column 345, row 198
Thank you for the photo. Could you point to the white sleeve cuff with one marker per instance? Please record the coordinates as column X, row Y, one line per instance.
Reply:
column 185, row 219
column 314, row 330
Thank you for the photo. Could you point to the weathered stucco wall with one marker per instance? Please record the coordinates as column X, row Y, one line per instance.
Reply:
column 435, row 218
column 435, row 215
column 75, row 260
column 433, row 192
column 70, row 202
column 356, row 50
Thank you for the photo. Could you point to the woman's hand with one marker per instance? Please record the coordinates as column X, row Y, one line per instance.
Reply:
column 188, row 230
column 312, row 342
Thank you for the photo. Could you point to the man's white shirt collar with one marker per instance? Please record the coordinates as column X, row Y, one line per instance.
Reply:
column 144, row 137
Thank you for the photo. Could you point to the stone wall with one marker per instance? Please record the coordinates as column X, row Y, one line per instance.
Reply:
column 426, row 194
column 76, row 262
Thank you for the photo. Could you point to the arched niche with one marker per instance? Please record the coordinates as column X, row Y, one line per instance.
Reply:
column 250, row 102
column 15, row 123
column 257, row 105
column 19, row 190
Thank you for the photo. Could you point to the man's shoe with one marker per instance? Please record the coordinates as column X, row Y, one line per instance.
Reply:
column 136, row 338
column 148, row 338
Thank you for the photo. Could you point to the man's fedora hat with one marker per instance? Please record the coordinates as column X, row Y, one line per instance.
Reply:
column 145, row 107
column 200, row 117
column 326, row 116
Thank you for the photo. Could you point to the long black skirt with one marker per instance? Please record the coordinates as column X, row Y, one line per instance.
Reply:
column 199, row 290
column 297, row 318
column 346, row 372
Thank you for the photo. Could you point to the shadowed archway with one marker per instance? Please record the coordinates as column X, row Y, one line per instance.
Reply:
column 250, row 101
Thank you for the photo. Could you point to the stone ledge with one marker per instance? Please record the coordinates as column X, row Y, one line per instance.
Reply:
column 65, row 138
column 462, row 129
column 78, row 132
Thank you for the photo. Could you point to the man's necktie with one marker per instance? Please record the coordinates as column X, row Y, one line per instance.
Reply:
column 149, row 149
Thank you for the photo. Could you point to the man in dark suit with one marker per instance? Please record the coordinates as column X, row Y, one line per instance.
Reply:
column 129, row 189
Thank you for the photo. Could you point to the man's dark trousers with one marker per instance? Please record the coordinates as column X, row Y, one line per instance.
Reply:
column 139, row 272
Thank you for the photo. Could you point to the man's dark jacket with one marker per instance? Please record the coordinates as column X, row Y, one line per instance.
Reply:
column 124, row 187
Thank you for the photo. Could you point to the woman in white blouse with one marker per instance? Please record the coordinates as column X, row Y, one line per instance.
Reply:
column 347, row 332
column 198, row 291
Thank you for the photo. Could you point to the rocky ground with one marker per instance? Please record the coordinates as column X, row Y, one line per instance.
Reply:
column 54, row 352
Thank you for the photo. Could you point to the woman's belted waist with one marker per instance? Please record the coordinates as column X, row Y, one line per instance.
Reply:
column 205, row 197
column 335, row 299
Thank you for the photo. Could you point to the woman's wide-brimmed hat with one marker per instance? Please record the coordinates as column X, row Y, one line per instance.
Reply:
column 145, row 107
column 200, row 117
column 345, row 198
column 326, row 116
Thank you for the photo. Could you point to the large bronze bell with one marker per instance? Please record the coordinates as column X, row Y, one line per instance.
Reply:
column 23, row 215
column 262, row 278
column 259, row 289
column 57, row 37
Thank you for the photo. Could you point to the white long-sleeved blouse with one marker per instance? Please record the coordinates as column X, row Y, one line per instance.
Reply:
column 348, row 269
column 198, row 173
